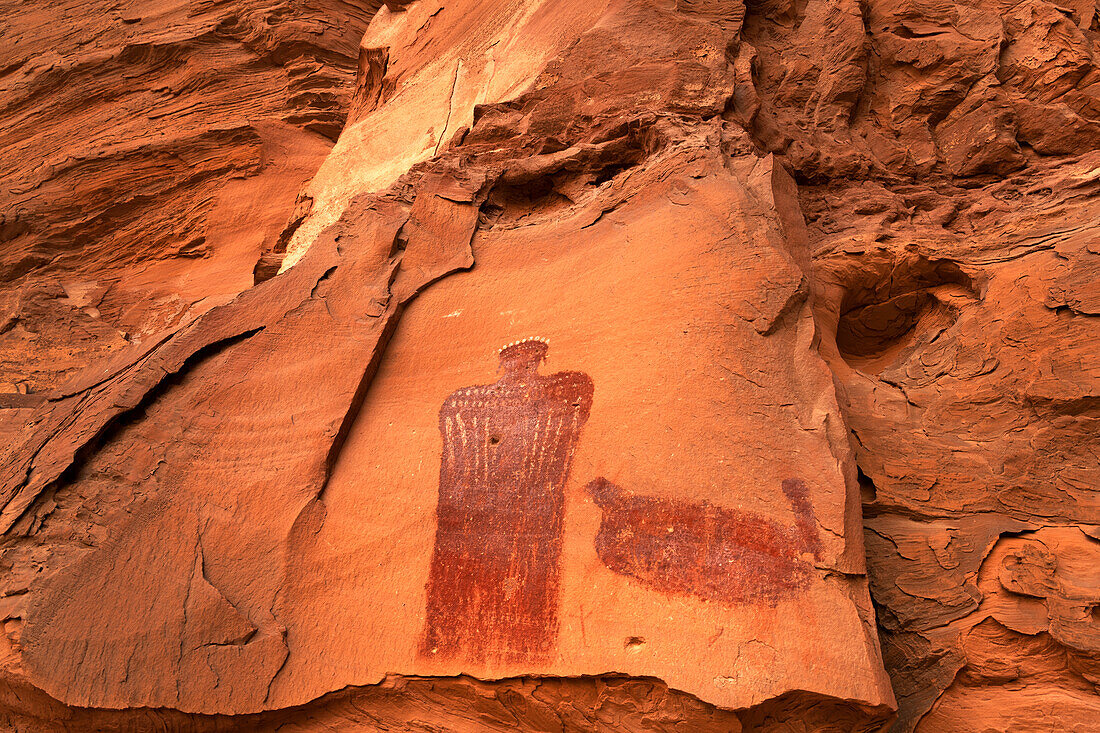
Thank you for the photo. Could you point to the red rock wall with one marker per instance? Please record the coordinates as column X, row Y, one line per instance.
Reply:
column 945, row 154
column 932, row 190
column 147, row 150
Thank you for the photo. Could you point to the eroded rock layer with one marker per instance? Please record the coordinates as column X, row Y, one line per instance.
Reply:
column 147, row 150
column 563, row 379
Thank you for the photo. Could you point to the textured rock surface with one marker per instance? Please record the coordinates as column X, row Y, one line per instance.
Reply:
column 787, row 256
column 147, row 150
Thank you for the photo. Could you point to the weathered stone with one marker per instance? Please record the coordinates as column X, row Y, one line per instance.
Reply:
column 563, row 379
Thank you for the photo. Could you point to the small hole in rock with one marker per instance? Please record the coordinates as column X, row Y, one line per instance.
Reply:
column 867, row 491
column 494, row 440
column 633, row 642
column 890, row 308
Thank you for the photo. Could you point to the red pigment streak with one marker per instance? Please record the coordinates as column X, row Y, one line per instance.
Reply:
column 507, row 448
column 712, row 552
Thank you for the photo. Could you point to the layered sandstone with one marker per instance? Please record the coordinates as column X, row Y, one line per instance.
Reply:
column 565, row 375
column 148, row 150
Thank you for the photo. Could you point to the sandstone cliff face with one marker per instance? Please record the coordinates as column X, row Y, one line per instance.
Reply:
column 808, row 434
column 149, row 149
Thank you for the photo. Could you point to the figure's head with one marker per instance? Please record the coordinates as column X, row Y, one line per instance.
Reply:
column 523, row 356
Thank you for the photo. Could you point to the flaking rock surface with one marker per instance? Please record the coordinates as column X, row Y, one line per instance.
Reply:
column 550, row 365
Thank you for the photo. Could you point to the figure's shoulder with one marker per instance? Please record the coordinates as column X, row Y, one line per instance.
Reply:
column 575, row 385
column 571, row 378
column 466, row 396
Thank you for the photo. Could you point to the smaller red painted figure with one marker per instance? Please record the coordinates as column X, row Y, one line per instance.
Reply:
column 713, row 552
column 492, row 592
